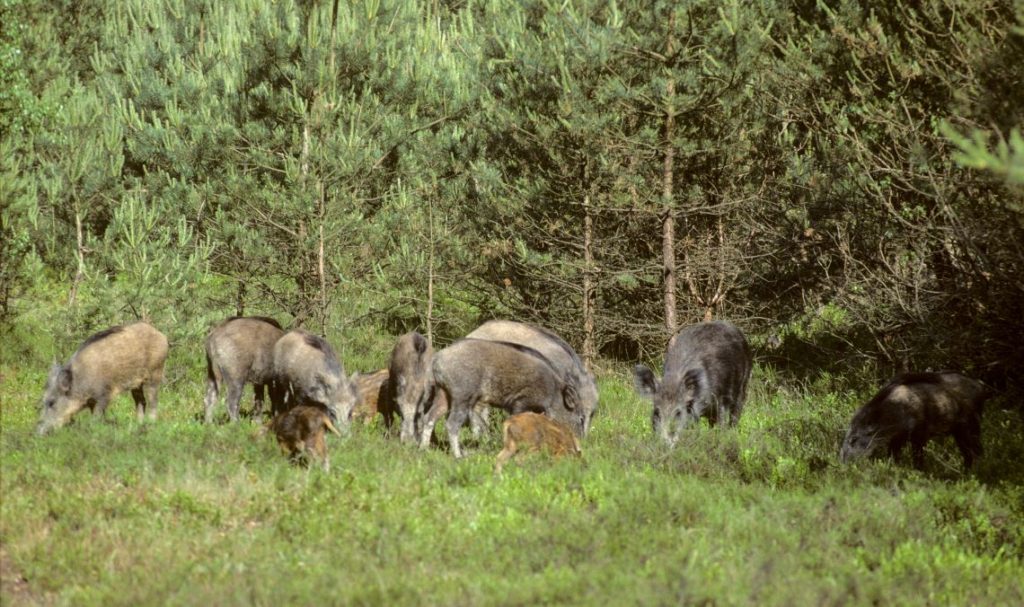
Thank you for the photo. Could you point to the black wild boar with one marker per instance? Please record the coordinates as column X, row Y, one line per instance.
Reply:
column 129, row 357
column 534, row 432
column 707, row 367
column 410, row 385
column 559, row 353
column 914, row 407
column 498, row 374
column 311, row 374
column 240, row 350
column 300, row 432
column 372, row 397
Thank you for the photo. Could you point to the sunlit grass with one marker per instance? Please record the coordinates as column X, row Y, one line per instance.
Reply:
column 113, row 511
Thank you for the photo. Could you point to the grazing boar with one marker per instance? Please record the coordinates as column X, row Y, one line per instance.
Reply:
column 300, row 433
column 534, row 432
column 311, row 374
column 129, row 357
column 372, row 397
column 508, row 376
column 707, row 367
column 559, row 353
column 411, row 384
column 240, row 350
column 915, row 407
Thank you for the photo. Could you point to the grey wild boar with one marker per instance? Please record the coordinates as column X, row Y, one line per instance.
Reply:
column 504, row 375
column 240, row 350
column 559, row 353
column 300, row 433
column 535, row 432
column 707, row 367
column 915, row 407
column 372, row 397
column 129, row 357
column 311, row 374
column 411, row 383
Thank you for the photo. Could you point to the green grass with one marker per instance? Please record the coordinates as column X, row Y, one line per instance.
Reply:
column 174, row 512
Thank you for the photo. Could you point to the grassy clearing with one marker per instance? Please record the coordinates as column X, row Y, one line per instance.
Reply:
column 109, row 513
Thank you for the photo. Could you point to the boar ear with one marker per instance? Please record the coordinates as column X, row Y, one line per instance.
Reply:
column 645, row 382
column 419, row 343
column 64, row 379
column 693, row 379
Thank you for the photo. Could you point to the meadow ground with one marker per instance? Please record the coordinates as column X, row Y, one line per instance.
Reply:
column 178, row 513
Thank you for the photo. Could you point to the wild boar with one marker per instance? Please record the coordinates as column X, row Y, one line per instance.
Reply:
column 372, row 397
column 707, row 367
column 498, row 374
column 240, row 350
column 914, row 408
column 534, row 432
column 300, row 433
column 411, row 384
column 128, row 357
column 559, row 353
column 311, row 374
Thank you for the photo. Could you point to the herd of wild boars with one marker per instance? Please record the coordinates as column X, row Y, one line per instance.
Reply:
column 525, row 370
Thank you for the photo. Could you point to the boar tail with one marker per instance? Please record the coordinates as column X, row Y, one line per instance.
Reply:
column 330, row 426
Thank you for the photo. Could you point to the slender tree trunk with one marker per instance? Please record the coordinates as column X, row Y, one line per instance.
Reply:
column 240, row 299
column 430, row 272
column 80, row 254
column 668, row 226
column 588, row 285
column 320, row 265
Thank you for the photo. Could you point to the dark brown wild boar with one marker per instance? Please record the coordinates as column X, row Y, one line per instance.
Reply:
column 372, row 396
column 508, row 376
column 311, row 374
column 558, row 352
column 129, row 357
column 535, row 432
column 300, row 433
column 707, row 367
column 914, row 408
column 240, row 350
column 410, row 384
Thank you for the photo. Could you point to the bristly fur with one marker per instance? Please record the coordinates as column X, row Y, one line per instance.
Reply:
column 521, row 348
column 101, row 335
column 266, row 319
column 315, row 341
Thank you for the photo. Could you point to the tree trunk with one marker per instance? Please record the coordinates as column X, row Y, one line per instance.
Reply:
column 588, row 285
column 80, row 254
column 430, row 273
column 668, row 226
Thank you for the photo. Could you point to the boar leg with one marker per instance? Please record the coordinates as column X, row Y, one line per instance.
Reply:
column 276, row 390
column 210, row 401
column 917, row 442
column 478, row 421
column 968, row 440
column 724, row 418
column 896, row 446
column 437, row 409
column 506, row 454
column 140, row 403
column 99, row 406
column 318, row 448
column 152, row 391
column 257, row 408
column 456, row 419
column 234, row 397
